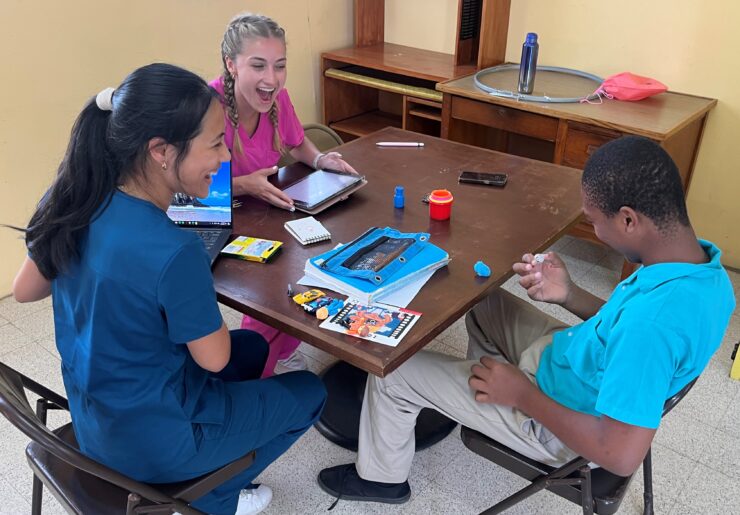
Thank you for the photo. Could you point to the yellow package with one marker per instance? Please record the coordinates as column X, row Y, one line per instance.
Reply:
column 252, row 249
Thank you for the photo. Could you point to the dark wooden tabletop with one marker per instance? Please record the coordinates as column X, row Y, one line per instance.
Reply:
column 495, row 225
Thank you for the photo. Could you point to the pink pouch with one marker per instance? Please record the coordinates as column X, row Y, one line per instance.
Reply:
column 628, row 86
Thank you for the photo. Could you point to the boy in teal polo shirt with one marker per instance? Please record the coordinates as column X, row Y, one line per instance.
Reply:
column 553, row 392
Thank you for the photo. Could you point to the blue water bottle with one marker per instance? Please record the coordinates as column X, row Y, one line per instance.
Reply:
column 528, row 64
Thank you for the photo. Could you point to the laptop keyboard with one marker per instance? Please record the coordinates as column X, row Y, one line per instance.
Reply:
column 209, row 236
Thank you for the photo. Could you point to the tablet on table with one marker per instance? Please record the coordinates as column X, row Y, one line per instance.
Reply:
column 322, row 188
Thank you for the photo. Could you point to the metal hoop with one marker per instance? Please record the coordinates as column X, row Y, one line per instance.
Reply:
column 536, row 98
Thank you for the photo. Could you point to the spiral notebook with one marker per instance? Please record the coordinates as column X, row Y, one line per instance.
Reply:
column 307, row 230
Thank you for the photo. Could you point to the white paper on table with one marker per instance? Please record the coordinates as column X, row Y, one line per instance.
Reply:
column 399, row 298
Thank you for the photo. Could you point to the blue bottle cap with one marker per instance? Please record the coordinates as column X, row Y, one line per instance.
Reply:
column 399, row 190
column 531, row 37
column 481, row 269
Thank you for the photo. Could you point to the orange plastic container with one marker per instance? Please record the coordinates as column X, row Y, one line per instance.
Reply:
column 440, row 205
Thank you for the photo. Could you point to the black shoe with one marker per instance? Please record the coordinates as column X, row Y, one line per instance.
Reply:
column 343, row 482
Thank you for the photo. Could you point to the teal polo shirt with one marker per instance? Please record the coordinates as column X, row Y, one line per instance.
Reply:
column 655, row 334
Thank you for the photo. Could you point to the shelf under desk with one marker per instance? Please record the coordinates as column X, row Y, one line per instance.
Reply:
column 366, row 123
column 402, row 60
column 385, row 85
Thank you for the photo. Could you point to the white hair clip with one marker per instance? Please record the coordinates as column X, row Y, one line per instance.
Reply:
column 104, row 100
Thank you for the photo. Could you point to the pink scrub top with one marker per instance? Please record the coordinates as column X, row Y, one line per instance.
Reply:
column 258, row 150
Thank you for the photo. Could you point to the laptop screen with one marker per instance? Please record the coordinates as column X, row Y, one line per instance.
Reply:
column 212, row 211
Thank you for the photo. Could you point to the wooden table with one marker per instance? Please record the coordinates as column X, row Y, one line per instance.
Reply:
column 540, row 202
column 569, row 133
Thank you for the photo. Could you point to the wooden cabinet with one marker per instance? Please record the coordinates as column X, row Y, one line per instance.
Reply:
column 506, row 119
column 568, row 134
column 375, row 84
column 421, row 115
column 581, row 142
column 363, row 93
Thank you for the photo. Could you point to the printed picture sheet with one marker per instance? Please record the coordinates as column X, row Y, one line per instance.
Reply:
column 379, row 323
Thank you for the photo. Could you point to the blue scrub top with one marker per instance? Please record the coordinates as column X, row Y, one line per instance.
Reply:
column 140, row 291
column 655, row 334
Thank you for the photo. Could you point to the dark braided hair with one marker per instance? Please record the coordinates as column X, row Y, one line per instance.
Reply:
column 636, row 172
column 242, row 27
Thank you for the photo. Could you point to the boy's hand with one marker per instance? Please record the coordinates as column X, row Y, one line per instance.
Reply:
column 495, row 382
column 548, row 281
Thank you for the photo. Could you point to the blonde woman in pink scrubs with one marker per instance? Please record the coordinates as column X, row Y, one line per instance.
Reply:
column 261, row 126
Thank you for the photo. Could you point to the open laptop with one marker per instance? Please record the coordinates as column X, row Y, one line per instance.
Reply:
column 210, row 217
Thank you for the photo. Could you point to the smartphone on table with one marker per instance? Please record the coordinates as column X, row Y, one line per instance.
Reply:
column 488, row 179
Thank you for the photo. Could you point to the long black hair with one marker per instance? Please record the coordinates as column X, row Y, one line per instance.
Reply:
column 106, row 148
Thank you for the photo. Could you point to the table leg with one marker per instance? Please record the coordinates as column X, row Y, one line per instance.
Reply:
column 340, row 421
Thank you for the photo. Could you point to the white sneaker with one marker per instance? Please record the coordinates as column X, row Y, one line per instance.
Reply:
column 292, row 363
column 254, row 500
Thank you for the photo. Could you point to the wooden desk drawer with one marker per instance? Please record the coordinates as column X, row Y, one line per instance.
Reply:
column 580, row 144
column 505, row 118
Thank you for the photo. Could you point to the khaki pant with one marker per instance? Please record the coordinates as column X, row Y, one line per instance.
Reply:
column 503, row 327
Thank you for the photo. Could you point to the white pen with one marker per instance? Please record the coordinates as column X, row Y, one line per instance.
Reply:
column 399, row 144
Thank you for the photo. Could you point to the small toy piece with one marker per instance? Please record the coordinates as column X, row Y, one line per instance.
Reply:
column 440, row 204
column 481, row 269
column 329, row 310
column 307, row 296
column 539, row 261
column 290, row 290
column 313, row 305
column 398, row 200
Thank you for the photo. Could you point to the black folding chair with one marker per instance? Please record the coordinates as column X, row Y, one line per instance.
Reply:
column 83, row 485
column 596, row 490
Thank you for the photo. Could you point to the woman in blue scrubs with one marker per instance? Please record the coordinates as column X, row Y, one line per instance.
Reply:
column 158, row 388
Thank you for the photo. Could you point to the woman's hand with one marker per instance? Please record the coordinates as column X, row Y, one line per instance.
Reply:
column 334, row 161
column 257, row 185
column 548, row 281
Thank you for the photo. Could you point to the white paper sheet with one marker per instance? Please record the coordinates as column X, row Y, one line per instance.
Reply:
column 401, row 298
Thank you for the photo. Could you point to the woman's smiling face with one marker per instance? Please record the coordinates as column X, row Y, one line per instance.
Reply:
column 194, row 175
column 260, row 72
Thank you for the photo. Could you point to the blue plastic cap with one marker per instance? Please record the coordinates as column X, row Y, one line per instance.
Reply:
column 481, row 269
column 399, row 190
column 531, row 37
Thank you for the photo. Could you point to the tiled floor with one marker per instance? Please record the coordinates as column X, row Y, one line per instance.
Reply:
column 696, row 451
